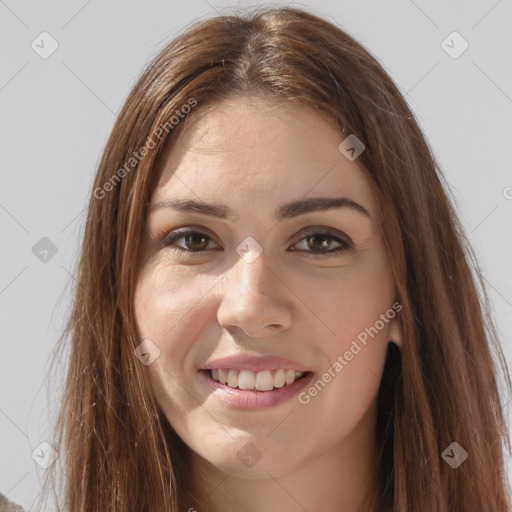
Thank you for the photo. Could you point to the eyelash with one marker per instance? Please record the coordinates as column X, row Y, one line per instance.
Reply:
column 174, row 236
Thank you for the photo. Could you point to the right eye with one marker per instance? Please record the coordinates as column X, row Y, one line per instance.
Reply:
column 193, row 241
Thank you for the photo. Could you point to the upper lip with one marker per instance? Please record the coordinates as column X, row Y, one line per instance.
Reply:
column 254, row 363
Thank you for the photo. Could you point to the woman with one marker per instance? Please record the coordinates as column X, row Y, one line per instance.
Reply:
column 275, row 307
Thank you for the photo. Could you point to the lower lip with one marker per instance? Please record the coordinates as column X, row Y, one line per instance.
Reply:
column 247, row 399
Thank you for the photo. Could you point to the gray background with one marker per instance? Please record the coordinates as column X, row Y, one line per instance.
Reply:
column 56, row 114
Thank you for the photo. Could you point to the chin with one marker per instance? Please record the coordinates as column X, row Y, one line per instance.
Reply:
column 246, row 460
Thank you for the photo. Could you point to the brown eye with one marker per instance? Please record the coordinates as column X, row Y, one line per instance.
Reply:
column 319, row 243
column 193, row 241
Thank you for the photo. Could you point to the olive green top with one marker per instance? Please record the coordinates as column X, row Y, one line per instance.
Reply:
column 8, row 506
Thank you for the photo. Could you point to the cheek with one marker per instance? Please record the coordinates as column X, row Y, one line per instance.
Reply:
column 346, row 387
column 160, row 304
column 164, row 297
column 171, row 310
column 352, row 301
column 357, row 309
column 165, row 306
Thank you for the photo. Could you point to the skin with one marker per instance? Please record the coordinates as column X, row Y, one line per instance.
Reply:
column 254, row 156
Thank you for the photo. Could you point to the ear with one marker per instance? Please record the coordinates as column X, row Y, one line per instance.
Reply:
column 395, row 330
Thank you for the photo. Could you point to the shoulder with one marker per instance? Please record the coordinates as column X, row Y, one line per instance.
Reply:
column 8, row 506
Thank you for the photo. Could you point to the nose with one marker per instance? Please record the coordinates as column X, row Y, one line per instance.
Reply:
column 254, row 299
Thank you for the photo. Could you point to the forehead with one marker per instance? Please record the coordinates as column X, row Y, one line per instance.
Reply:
column 254, row 151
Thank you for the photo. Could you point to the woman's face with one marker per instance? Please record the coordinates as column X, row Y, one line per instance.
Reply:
column 258, row 281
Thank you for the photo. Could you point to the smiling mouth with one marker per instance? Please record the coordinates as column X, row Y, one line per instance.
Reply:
column 266, row 380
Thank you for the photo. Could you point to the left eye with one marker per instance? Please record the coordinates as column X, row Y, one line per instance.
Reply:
column 320, row 240
column 198, row 242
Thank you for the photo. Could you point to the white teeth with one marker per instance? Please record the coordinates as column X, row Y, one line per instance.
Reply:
column 246, row 379
column 233, row 378
column 290, row 376
column 249, row 380
column 264, row 381
column 222, row 376
column 279, row 379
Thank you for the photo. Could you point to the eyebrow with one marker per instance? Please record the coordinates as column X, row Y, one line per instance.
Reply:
column 286, row 211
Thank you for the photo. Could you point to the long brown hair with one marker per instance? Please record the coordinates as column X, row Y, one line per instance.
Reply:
column 117, row 450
